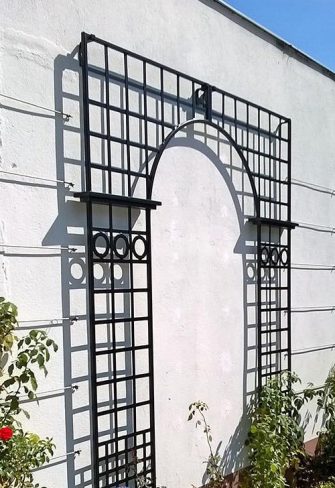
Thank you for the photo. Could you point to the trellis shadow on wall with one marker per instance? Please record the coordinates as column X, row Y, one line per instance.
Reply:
column 123, row 450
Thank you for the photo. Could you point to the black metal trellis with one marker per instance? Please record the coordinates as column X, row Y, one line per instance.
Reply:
column 132, row 108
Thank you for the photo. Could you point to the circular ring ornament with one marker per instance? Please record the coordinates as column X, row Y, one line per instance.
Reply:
column 106, row 250
column 283, row 256
column 145, row 249
column 125, row 251
column 251, row 272
column 79, row 278
column 265, row 255
column 274, row 256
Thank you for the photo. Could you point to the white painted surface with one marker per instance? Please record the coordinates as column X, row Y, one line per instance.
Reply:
column 36, row 40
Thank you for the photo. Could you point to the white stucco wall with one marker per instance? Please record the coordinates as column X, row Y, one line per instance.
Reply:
column 199, row 345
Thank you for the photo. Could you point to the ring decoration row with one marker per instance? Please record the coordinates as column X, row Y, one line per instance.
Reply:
column 120, row 245
column 272, row 256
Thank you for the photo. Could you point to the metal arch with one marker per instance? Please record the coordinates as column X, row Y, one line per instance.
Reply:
column 182, row 126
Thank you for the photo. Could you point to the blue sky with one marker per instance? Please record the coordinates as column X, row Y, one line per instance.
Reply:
column 307, row 24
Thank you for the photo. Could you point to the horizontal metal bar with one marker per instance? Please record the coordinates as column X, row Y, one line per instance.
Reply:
column 270, row 331
column 125, row 407
column 313, row 388
column 329, row 267
column 118, row 260
column 273, row 266
column 101, row 291
column 72, row 319
column 58, row 112
column 274, row 288
column 111, row 381
column 139, row 145
column 37, row 178
column 106, row 352
column 119, row 320
column 136, row 115
column 272, row 373
column 274, row 202
column 313, row 349
column 322, row 308
column 118, row 230
column 267, row 177
column 274, row 309
column 273, row 222
column 274, row 244
column 313, row 186
column 267, row 156
column 72, row 453
column 317, row 226
column 276, row 351
column 118, row 200
column 124, row 437
column 115, row 169
column 60, row 248
column 43, row 393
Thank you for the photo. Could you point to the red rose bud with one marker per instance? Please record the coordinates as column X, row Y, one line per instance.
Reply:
column 6, row 433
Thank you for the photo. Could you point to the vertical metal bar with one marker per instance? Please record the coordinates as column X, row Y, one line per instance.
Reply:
column 126, row 86
column 259, row 307
column 90, row 264
column 235, row 120
column 111, row 360
column 109, row 158
column 193, row 100
column 289, row 340
column 279, row 171
column 127, row 470
column 270, row 237
column 114, row 365
column 146, row 142
column 223, row 110
column 86, row 111
column 209, row 102
column 259, row 159
column 162, row 104
column 92, row 347
column 259, row 266
column 178, row 100
column 280, row 271
column 144, row 454
column 151, row 351
column 132, row 314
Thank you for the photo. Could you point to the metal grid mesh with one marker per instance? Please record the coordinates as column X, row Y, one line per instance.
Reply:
column 132, row 107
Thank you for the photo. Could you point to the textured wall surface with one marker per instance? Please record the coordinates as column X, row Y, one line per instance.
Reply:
column 197, row 263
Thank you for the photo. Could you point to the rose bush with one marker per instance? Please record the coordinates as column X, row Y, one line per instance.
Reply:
column 20, row 451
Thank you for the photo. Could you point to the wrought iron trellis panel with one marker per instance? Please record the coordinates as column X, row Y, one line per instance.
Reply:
column 132, row 108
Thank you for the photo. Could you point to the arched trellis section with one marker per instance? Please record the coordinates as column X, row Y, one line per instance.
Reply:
column 132, row 108
column 220, row 130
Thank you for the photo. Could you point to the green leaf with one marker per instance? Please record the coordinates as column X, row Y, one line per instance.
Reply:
column 40, row 360
column 33, row 382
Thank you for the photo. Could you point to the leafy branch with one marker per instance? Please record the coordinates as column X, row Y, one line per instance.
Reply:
column 213, row 469
column 20, row 358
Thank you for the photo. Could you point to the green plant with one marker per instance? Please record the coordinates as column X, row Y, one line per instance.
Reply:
column 275, row 439
column 326, row 407
column 214, row 461
column 327, row 484
column 20, row 451
column 321, row 467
